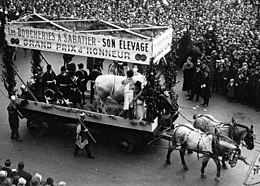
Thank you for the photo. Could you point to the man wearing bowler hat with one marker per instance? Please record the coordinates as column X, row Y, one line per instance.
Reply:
column 7, row 168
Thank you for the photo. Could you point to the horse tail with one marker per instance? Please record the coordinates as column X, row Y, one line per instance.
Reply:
column 113, row 86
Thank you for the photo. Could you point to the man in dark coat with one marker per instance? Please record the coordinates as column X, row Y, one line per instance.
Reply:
column 188, row 72
column 21, row 173
column 196, row 84
column 49, row 79
column 7, row 168
column 92, row 77
column 63, row 82
column 83, row 76
column 13, row 117
column 206, row 88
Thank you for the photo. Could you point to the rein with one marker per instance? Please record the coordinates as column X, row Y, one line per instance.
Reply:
column 243, row 135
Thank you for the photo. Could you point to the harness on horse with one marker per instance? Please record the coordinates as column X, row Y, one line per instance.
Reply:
column 187, row 137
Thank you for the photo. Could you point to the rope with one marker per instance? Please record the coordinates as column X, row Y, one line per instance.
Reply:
column 185, row 117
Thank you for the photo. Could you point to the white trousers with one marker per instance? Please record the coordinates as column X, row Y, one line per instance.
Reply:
column 128, row 97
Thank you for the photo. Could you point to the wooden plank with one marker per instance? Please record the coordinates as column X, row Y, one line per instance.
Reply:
column 126, row 30
column 54, row 24
column 95, row 117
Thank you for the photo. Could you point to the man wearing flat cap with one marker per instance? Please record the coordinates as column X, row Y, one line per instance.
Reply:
column 13, row 117
column 82, row 137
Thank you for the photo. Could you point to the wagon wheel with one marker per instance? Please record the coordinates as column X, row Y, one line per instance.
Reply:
column 37, row 128
column 126, row 145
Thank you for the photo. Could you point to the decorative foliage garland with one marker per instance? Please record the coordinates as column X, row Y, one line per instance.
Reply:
column 8, row 73
column 36, row 61
column 8, row 54
column 2, row 33
column 153, row 89
column 170, row 74
column 151, row 92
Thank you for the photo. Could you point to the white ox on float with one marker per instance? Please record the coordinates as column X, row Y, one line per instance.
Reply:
column 111, row 85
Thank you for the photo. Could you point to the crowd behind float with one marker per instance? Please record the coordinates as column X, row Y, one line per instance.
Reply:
column 223, row 31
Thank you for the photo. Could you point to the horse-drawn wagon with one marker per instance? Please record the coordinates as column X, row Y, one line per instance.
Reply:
column 142, row 44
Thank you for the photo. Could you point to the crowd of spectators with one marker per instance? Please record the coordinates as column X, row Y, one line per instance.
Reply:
column 224, row 31
column 20, row 177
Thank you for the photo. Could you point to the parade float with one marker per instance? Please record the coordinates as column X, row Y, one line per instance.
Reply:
column 139, row 44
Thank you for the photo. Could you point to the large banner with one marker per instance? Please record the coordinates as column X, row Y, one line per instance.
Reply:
column 100, row 46
column 162, row 45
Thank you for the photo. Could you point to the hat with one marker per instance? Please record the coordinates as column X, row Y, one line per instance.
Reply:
column 80, row 65
column 63, row 68
column 22, row 181
column 214, row 52
column 82, row 114
column 138, row 83
column 35, row 181
column 61, row 183
column 50, row 181
column 48, row 67
column 3, row 174
column 13, row 98
column 38, row 176
column 20, row 165
column 7, row 162
column 16, row 179
column 8, row 181
column 244, row 64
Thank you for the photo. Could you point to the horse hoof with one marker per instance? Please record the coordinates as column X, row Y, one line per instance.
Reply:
column 217, row 179
column 185, row 168
column 224, row 166
column 168, row 162
column 203, row 176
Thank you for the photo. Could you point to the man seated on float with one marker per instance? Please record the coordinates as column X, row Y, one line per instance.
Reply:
column 128, row 94
column 138, row 101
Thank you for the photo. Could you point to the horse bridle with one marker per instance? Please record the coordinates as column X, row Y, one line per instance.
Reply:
column 242, row 139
